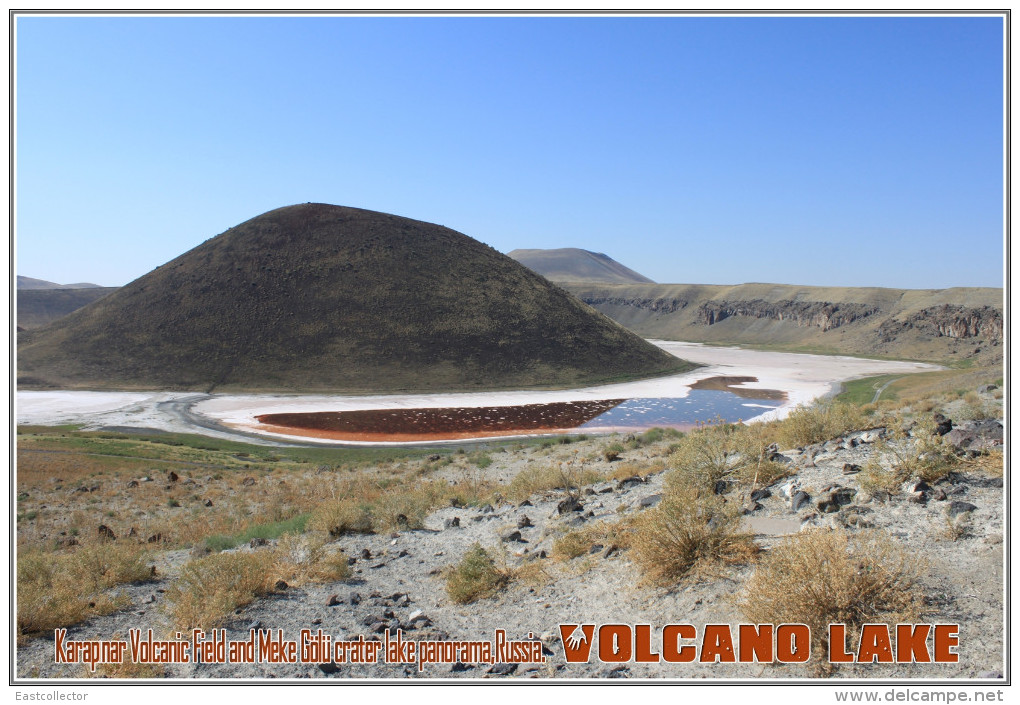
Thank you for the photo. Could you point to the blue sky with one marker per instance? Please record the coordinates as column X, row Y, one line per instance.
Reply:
column 853, row 151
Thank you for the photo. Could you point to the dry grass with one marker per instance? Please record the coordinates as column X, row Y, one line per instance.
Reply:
column 621, row 471
column 210, row 588
column 60, row 589
column 688, row 534
column 727, row 452
column 878, row 480
column 543, row 478
column 990, row 463
column 823, row 577
column 477, row 576
column 309, row 558
column 579, row 542
column 817, row 423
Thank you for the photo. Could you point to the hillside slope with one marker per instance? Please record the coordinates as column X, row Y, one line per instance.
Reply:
column 317, row 297
column 40, row 307
column 571, row 264
column 30, row 283
column 928, row 324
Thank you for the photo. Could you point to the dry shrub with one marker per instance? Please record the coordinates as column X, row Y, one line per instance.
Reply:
column 990, row 463
column 477, row 576
column 726, row 452
column 821, row 577
column 689, row 532
column 622, row 471
column 61, row 589
column 210, row 588
column 877, row 480
column 310, row 559
column 817, row 423
column 543, row 478
column 929, row 457
column 579, row 542
column 342, row 516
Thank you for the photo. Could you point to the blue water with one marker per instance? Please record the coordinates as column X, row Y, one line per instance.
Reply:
column 700, row 406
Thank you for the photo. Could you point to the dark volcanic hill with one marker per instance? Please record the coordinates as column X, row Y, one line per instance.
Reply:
column 571, row 264
column 325, row 298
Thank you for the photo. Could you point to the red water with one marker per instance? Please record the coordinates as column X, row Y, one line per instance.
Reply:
column 437, row 424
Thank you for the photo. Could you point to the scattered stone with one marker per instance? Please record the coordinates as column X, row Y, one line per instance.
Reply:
column 451, row 523
column 799, row 499
column 750, row 507
column 613, row 548
column 329, row 668
column 985, row 389
column 257, row 541
column 173, row 476
column 460, row 667
column 851, row 468
column 942, row 424
column 248, row 481
column 133, row 483
column 525, row 503
column 333, row 600
column 618, row 672
column 281, row 585
column 155, row 538
column 760, row 494
column 721, row 487
column 487, row 509
column 434, row 457
column 631, row 481
column 596, row 548
column 650, row 501
column 510, row 535
column 570, row 504
column 872, row 435
column 365, row 554
column 106, row 533
column 524, row 522
column 502, row 669
column 354, row 598
column 957, row 507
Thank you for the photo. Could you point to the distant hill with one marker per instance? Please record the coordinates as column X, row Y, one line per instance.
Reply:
column 40, row 307
column 570, row 264
column 30, row 283
column 317, row 297
column 925, row 324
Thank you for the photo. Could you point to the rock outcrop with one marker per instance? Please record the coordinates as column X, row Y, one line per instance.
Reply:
column 949, row 321
column 821, row 314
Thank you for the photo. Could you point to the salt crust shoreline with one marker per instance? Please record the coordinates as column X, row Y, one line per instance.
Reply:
column 803, row 378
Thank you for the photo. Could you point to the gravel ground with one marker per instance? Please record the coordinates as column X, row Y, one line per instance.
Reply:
column 398, row 581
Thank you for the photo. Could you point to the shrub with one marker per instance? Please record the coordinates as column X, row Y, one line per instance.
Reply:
column 210, row 588
column 61, row 589
column 476, row 577
column 342, row 516
column 821, row 422
column 688, row 532
column 549, row 477
column 308, row 559
column 820, row 577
